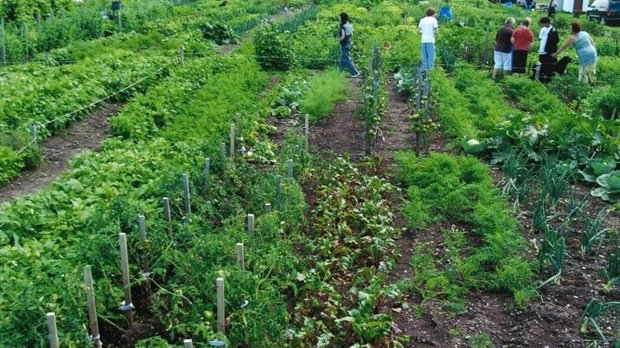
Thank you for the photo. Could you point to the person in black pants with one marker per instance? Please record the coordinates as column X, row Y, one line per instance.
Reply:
column 549, row 40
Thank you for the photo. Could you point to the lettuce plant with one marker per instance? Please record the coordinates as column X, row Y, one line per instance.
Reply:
column 610, row 187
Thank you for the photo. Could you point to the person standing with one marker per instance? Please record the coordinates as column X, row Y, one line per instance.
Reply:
column 549, row 40
column 344, row 37
column 522, row 40
column 502, row 56
column 428, row 27
column 586, row 52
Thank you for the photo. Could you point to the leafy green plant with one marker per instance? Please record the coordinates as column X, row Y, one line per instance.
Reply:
column 597, row 167
column 273, row 52
column 612, row 271
column 610, row 187
column 594, row 310
column 325, row 90
column 553, row 246
column 593, row 233
column 220, row 34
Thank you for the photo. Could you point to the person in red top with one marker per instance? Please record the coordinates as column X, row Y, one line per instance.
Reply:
column 522, row 40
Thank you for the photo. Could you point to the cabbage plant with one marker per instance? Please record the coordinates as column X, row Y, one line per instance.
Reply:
column 610, row 187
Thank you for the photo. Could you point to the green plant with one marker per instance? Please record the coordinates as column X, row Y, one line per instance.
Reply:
column 593, row 312
column 610, row 187
column 593, row 233
column 612, row 271
column 597, row 167
column 272, row 51
column 553, row 246
column 325, row 90
column 220, row 34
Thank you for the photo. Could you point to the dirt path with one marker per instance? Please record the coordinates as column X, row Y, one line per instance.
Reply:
column 80, row 136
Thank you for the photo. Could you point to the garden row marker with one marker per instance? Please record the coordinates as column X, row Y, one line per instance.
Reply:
column 278, row 191
column 223, row 150
column 267, row 208
column 181, row 54
column 289, row 165
column 127, row 307
column 306, row 129
column 167, row 216
column 92, row 308
column 51, row 327
column 188, row 206
column 146, row 268
column 187, row 343
column 232, row 140
column 221, row 319
column 207, row 173
column 240, row 257
column 3, row 42
column 34, row 131
column 250, row 224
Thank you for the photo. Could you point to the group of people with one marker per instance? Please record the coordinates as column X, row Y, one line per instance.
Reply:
column 511, row 46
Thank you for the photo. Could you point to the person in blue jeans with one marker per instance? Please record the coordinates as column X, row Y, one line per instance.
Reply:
column 428, row 27
column 344, row 36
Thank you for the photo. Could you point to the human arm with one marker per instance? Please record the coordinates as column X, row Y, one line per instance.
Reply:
column 568, row 42
column 342, row 35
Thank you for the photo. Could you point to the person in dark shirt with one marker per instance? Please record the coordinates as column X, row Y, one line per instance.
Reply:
column 503, row 48
column 549, row 40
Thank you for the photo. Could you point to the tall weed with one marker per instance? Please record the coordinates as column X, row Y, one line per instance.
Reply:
column 325, row 90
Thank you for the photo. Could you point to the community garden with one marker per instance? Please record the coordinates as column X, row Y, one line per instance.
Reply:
column 244, row 192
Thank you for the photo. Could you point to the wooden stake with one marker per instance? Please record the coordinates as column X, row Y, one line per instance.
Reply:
column 167, row 216
column 187, row 343
column 142, row 227
column 51, row 327
column 223, row 151
column 92, row 308
column 207, row 173
column 289, row 165
column 221, row 319
column 188, row 205
column 278, row 191
column 128, row 307
column 240, row 256
column 232, row 140
column 306, row 129
column 250, row 224
column 267, row 208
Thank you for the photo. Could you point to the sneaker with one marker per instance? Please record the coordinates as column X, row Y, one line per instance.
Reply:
column 356, row 75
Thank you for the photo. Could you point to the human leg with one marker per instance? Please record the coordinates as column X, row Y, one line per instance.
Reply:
column 346, row 62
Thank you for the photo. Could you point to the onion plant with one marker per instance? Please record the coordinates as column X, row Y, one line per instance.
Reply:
column 612, row 271
column 593, row 233
column 552, row 249
column 593, row 311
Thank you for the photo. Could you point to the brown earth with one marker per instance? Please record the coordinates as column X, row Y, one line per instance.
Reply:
column 82, row 135
column 552, row 320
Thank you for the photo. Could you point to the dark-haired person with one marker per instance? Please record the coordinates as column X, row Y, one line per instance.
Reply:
column 502, row 56
column 586, row 52
column 549, row 40
column 428, row 27
column 522, row 40
column 344, row 37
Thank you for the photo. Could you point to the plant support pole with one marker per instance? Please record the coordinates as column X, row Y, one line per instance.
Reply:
column 250, row 224
column 127, row 307
column 221, row 319
column 207, row 173
column 166, row 202
column 306, row 129
column 187, row 343
column 267, row 208
column 51, row 327
column 232, row 140
column 142, row 227
column 92, row 308
column 188, row 206
column 3, row 42
column 240, row 256
column 289, row 168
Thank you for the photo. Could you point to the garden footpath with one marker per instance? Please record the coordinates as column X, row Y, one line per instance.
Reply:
column 85, row 134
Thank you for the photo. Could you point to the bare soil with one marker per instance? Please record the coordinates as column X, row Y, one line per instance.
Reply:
column 553, row 320
column 82, row 135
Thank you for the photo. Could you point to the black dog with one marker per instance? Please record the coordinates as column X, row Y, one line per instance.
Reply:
column 549, row 67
